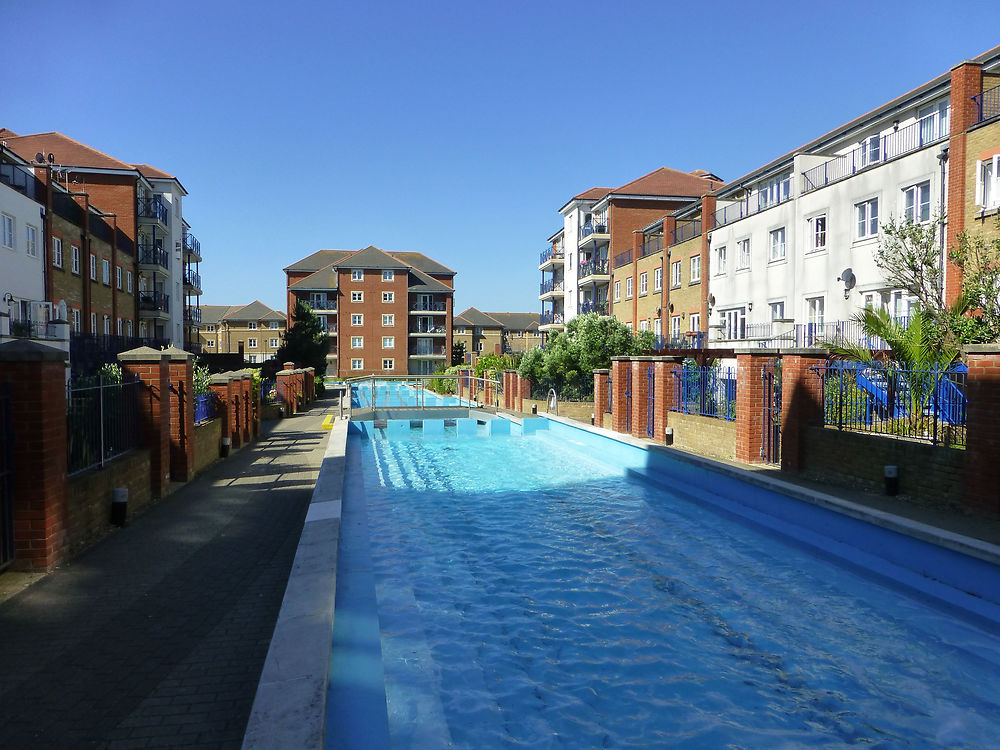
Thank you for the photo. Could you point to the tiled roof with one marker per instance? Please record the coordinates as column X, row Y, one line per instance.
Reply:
column 153, row 173
column 516, row 321
column 422, row 262
column 256, row 310
column 593, row 194
column 475, row 317
column 211, row 315
column 325, row 278
column 666, row 181
column 319, row 259
column 421, row 282
column 371, row 257
column 66, row 151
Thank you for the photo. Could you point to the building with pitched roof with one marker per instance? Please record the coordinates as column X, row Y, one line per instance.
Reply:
column 496, row 333
column 254, row 331
column 386, row 313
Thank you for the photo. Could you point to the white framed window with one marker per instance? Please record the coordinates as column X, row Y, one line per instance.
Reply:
column 388, row 342
column 273, row 343
column 694, row 322
column 129, row 327
column 318, row 301
column 118, row 277
column 479, row 346
column 57, row 252
column 209, row 329
column 618, row 291
column 93, row 267
column 273, row 325
column 252, row 358
column 866, row 213
column 388, row 320
column 988, row 183
column 777, row 310
column 357, row 275
column 252, row 343
column 815, row 309
column 31, row 238
column 817, row 236
column 917, row 203
column 7, row 231
column 106, row 271
column 720, row 261
column 657, row 327
column 121, row 327
column 357, row 296
column 76, row 321
column 628, row 288
column 629, row 325
column 357, row 364
column 74, row 259
column 743, row 254
column 695, row 269
column 388, row 296
column 128, row 282
column 388, row 364
column 657, row 279
column 644, row 325
column 357, row 342
column 643, row 284
column 388, row 275
column 675, row 326
column 871, row 150
column 735, row 323
column 93, row 322
column 777, row 244
column 252, row 325
column 775, row 190
column 107, row 325
column 675, row 274
column 210, row 343
column 357, row 319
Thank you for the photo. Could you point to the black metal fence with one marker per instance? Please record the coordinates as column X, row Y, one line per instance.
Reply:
column 6, row 480
column 102, row 420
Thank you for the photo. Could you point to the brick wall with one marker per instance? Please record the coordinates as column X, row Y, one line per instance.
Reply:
column 207, row 437
column 578, row 410
column 981, row 143
column 705, row 436
column 88, row 507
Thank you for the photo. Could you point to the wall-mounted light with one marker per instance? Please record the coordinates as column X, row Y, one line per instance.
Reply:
column 895, row 125
column 750, row 307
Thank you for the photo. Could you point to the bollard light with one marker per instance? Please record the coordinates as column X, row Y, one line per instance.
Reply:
column 534, row 408
column 668, row 435
column 891, row 479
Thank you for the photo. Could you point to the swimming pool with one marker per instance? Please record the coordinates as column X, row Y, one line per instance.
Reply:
column 534, row 588
column 405, row 394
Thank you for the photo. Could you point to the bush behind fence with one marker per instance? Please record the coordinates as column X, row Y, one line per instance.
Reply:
column 102, row 421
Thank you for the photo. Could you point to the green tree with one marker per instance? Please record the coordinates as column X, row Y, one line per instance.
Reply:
column 979, row 260
column 306, row 343
column 457, row 353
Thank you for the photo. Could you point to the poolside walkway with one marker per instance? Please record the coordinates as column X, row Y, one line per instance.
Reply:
column 156, row 636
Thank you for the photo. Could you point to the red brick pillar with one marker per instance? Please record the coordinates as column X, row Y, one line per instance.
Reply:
column 620, row 368
column 152, row 367
column 181, row 414
column 255, row 405
column 523, row 392
column 663, row 394
column 36, row 377
column 311, row 383
column 801, row 401
column 982, row 452
column 246, row 411
column 488, row 391
column 600, row 396
column 460, row 384
column 236, row 410
column 750, row 403
column 473, row 388
column 221, row 387
column 286, row 390
column 640, row 395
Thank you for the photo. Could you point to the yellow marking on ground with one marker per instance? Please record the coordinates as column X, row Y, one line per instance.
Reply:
column 328, row 422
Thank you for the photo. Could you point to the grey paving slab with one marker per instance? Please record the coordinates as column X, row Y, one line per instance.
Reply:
column 157, row 636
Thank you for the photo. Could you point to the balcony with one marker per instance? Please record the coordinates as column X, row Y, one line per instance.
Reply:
column 550, row 257
column 651, row 246
column 427, row 350
column 987, row 105
column 622, row 259
column 192, row 316
column 753, row 204
column 549, row 320
column 690, row 340
column 428, row 330
column 593, row 232
column 153, row 258
column 551, row 288
column 600, row 307
column 154, row 304
column 878, row 151
column 320, row 303
column 686, row 231
column 192, row 282
column 594, row 271
column 154, row 210
column 192, row 248
column 426, row 306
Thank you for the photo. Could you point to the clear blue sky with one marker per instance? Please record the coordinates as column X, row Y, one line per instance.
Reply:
column 456, row 129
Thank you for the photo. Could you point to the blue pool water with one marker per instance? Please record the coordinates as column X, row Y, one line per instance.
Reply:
column 532, row 591
column 398, row 394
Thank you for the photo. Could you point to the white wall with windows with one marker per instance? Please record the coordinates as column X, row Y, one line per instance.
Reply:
column 21, row 253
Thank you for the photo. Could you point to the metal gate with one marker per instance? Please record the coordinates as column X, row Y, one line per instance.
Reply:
column 6, row 480
column 770, row 449
column 611, row 391
column 628, row 401
column 650, row 402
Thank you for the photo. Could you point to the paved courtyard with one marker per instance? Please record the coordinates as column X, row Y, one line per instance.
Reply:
column 156, row 636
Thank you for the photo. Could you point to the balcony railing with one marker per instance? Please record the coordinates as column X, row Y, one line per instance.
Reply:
column 754, row 204
column 693, row 340
column 594, row 267
column 154, row 301
column 420, row 329
column 191, row 278
column 550, row 286
column 153, row 255
column 23, row 181
column 550, row 318
column 591, row 227
column 600, row 307
column 430, row 306
column 987, row 104
column 920, row 134
column 192, row 315
column 685, row 231
column 622, row 259
column 154, row 208
column 651, row 246
column 549, row 254
column 428, row 351
column 323, row 303
column 191, row 244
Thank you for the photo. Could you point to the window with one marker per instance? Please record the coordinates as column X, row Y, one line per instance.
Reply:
column 777, row 244
column 388, row 319
column 695, row 269
column 107, row 325
column 318, row 301
column 695, row 322
column 357, row 364
column 357, row 319
column 74, row 256
column 129, row 328
column 735, row 323
column 479, row 346
column 629, row 325
column 871, row 150
column 628, row 288
column 31, row 237
column 643, row 284
column 775, row 191
column 657, row 327
column 988, row 183
column 675, row 274
column 106, row 271
column 917, row 203
column 934, row 122
column 118, row 277
column 357, row 342
column 121, row 326
column 252, row 343
column 7, row 231
column 57, row 253
column 357, row 296
column 93, row 322
column 657, row 279
column 357, row 275
column 128, row 281
column 388, row 275
column 720, row 261
column 818, row 236
column 814, row 310
column 210, row 343
column 388, row 364
column 618, row 291
column 388, row 342
column 76, row 321
column 252, row 358
column 743, row 254
column 777, row 310
column 93, row 267
column 252, row 325
column 675, row 327
column 388, row 296
column 643, row 325
column 867, row 214
column 209, row 329
column 273, row 325
column 273, row 343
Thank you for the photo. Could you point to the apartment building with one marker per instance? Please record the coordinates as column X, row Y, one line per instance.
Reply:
column 387, row 313
column 254, row 331
column 496, row 333
column 142, row 205
column 21, row 236
column 790, row 247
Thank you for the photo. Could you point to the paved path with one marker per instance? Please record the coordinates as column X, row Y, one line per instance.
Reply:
column 156, row 636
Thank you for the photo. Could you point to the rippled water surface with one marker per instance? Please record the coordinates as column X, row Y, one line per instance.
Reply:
column 531, row 596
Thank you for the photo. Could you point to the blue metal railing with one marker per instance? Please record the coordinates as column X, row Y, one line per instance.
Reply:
column 686, row 231
column 550, row 286
column 754, row 204
column 153, row 255
column 549, row 318
column 600, row 307
column 611, row 393
column 693, row 340
column 154, row 208
column 622, row 259
column 548, row 254
column 191, row 244
column 154, row 301
column 987, row 104
column 590, row 227
column 706, row 391
column 593, row 267
column 651, row 246
column 192, row 278
column 650, row 402
column 204, row 407
column 268, row 391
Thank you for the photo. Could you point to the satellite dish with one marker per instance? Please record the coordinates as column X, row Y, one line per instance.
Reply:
column 848, row 277
column 40, row 157
column 52, row 158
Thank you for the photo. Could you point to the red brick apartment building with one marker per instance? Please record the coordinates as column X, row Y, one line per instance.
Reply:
column 386, row 313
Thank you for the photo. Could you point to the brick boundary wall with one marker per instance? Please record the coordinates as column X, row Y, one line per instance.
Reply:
column 88, row 516
column 152, row 366
column 600, row 396
column 663, row 385
column 704, row 436
column 801, row 401
column 982, row 462
column 207, row 437
column 620, row 366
